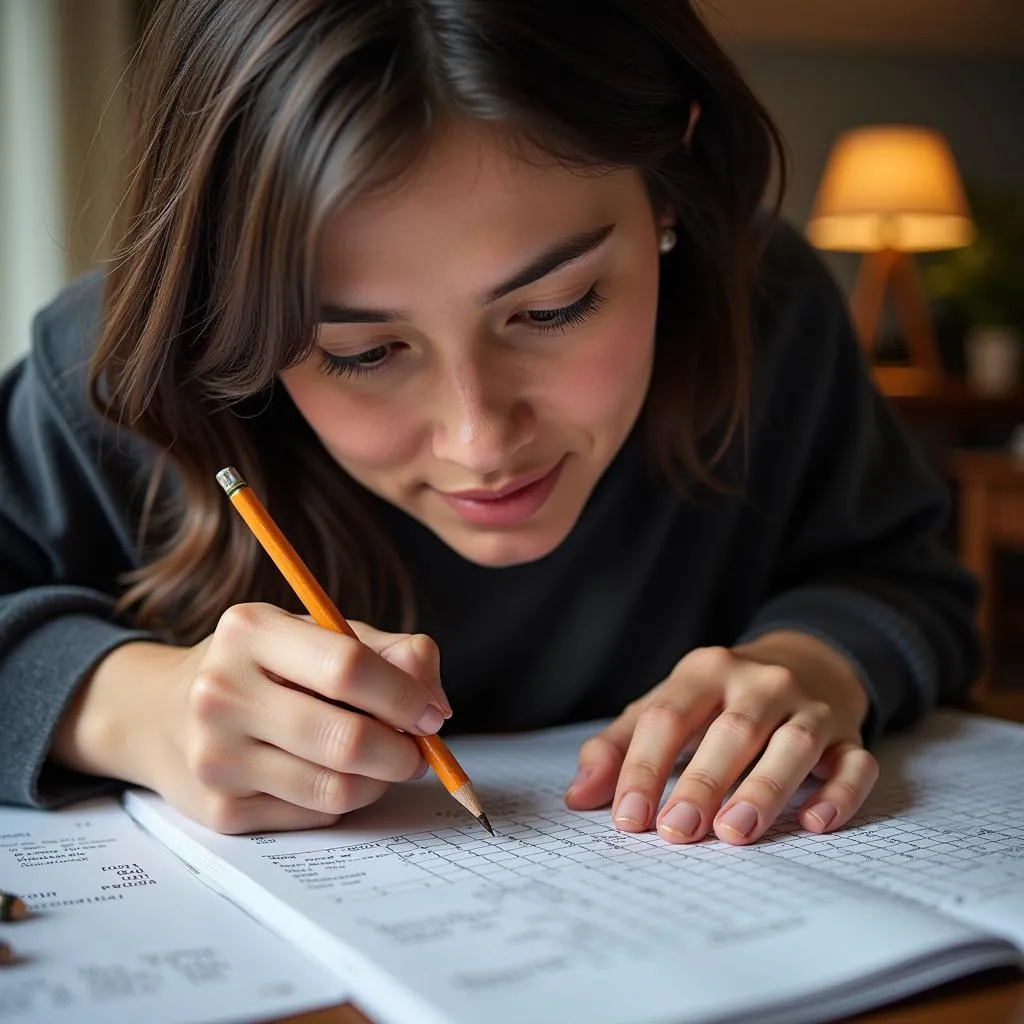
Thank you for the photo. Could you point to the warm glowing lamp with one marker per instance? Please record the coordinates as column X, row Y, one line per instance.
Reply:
column 889, row 191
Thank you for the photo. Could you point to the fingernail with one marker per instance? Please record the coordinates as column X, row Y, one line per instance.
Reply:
column 824, row 812
column 431, row 720
column 633, row 810
column 422, row 770
column 683, row 819
column 581, row 776
column 740, row 818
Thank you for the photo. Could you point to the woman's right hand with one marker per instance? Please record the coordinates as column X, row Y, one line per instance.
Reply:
column 239, row 733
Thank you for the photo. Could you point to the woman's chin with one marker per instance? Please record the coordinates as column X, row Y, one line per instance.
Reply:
column 499, row 549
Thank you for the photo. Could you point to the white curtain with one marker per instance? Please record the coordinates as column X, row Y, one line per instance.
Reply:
column 62, row 64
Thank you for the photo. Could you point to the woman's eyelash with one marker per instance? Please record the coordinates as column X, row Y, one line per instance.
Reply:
column 360, row 365
column 546, row 321
column 543, row 321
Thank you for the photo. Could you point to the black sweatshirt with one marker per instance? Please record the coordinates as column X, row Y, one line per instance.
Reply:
column 836, row 532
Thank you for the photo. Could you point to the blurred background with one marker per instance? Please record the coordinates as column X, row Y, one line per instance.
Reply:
column 923, row 225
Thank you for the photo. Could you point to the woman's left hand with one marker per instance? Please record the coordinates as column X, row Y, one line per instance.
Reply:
column 779, row 708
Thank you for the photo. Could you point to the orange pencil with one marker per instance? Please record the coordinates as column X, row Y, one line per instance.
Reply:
column 12, row 908
column 326, row 614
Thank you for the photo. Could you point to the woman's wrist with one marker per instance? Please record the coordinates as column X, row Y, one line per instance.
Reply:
column 110, row 727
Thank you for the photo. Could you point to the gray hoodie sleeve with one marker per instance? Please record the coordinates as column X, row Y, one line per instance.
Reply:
column 63, row 542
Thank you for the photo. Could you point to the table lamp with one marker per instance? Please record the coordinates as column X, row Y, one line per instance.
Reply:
column 888, row 191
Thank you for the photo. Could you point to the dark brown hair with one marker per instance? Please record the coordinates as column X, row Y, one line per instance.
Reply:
column 253, row 119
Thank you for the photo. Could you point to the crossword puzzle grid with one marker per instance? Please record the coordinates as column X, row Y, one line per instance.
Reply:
column 717, row 891
column 942, row 826
column 962, row 840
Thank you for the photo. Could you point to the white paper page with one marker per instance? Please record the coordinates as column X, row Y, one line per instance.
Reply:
column 560, row 915
column 944, row 824
column 121, row 932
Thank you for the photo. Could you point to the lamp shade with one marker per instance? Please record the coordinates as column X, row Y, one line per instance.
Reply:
column 890, row 187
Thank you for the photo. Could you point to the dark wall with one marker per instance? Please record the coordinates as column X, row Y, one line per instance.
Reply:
column 978, row 102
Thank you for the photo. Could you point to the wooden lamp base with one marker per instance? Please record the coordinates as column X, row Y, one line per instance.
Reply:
column 891, row 271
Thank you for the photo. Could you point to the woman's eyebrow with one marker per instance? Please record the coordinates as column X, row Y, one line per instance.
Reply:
column 564, row 251
column 567, row 250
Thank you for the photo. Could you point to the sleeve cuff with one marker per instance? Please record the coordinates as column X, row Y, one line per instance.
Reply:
column 50, row 662
column 895, row 665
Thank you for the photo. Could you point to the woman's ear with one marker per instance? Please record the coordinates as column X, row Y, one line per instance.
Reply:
column 667, row 216
column 692, row 123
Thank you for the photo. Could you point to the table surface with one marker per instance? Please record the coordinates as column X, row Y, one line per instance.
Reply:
column 953, row 401
column 995, row 997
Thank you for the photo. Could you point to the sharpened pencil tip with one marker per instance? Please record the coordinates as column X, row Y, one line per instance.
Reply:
column 482, row 818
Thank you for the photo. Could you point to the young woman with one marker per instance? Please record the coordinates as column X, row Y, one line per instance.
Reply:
column 480, row 297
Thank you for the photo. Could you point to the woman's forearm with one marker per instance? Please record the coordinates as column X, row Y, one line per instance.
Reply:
column 110, row 727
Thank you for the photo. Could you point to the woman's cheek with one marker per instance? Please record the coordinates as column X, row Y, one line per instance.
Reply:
column 612, row 372
column 610, row 381
column 357, row 429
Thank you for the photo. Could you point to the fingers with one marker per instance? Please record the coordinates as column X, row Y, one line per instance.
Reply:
column 731, row 741
column 851, row 773
column 661, row 732
column 339, row 740
column 762, row 724
column 792, row 752
column 276, row 773
column 312, row 785
column 262, row 750
column 594, row 784
column 338, row 667
column 766, row 697
column 300, row 724
column 636, row 754
column 600, row 761
column 258, row 813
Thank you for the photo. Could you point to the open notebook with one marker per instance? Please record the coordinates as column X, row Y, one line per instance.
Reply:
column 559, row 916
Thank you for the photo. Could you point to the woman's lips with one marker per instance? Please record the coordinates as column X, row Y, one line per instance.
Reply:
column 506, row 506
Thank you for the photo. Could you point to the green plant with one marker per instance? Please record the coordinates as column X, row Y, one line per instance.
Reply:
column 985, row 280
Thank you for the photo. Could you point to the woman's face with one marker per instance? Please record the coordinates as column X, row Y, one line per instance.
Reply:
column 486, row 342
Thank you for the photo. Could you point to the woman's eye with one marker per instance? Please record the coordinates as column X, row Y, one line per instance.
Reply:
column 543, row 321
column 564, row 317
column 360, row 365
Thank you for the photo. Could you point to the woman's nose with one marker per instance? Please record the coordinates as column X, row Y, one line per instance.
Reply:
column 481, row 421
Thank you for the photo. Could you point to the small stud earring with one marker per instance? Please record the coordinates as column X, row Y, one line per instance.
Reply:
column 667, row 241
